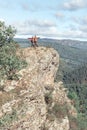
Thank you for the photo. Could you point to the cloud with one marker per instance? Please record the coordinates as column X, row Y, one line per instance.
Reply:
column 80, row 25
column 84, row 20
column 48, row 28
column 7, row 4
column 80, row 21
column 33, row 6
column 25, row 6
column 83, row 29
column 29, row 7
column 74, row 34
column 76, row 19
column 2, row 20
column 83, row 26
column 73, row 5
column 4, row 4
column 32, row 27
column 59, row 15
column 39, row 23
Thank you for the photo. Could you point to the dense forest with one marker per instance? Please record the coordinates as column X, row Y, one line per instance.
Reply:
column 78, row 75
column 76, row 81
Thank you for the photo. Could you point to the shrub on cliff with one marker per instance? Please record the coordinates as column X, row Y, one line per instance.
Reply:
column 9, row 62
column 6, row 33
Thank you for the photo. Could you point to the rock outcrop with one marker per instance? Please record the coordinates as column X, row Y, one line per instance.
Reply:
column 35, row 101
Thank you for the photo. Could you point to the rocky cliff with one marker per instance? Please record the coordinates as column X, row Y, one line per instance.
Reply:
column 35, row 101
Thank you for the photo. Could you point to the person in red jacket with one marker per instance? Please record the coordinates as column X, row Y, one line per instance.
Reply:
column 35, row 41
column 32, row 41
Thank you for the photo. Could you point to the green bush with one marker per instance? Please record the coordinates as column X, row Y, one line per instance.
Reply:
column 6, row 33
column 72, row 95
column 82, row 122
column 9, row 62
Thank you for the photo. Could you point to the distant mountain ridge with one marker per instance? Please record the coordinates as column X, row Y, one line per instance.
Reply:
column 73, row 43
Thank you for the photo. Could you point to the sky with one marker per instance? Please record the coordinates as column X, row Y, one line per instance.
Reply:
column 60, row 19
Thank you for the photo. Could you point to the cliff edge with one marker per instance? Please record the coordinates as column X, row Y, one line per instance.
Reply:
column 35, row 101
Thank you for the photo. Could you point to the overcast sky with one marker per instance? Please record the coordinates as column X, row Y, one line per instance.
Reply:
column 46, row 18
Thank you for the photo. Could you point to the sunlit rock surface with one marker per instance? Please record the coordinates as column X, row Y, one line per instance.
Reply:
column 25, row 104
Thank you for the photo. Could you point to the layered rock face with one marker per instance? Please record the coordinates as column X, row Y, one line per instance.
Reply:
column 35, row 101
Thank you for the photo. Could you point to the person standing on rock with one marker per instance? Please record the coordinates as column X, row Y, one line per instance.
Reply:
column 34, row 41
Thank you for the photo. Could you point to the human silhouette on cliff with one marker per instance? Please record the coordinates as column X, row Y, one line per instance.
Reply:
column 33, row 41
